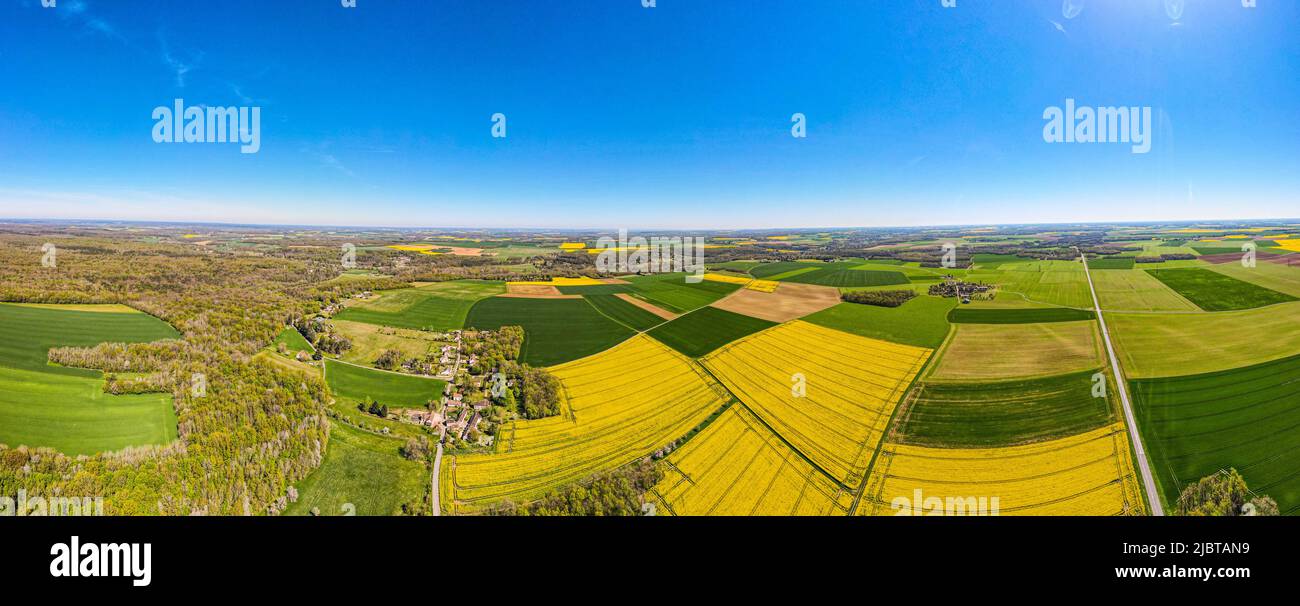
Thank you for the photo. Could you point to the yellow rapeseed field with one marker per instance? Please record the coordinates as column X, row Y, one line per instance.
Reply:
column 424, row 249
column 736, row 466
column 1291, row 245
column 1087, row 474
column 851, row 385
column 559, row 281
column 619, row 406
column 572, row 246
column 727, row 279
column 750, row 283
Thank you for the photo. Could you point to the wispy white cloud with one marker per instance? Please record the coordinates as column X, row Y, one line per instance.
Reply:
column 179, row 65
column 78, row 12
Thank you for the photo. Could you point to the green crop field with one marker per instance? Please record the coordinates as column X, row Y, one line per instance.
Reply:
column 1244, row 418
column 845, row 277
column 767, row 270
column 673, row 293
column 1137, row 291
column 922, row 321
column 624, row 313
column 1111, row 263
column 1039, row 282
column 740, row 266
column 66, row 408
column 1004, row 413
column 1275, row 276
column 979, row 352
column 440, row 306
column 1157, row 345
column 1029, row 315
column 994, row 261
column 361, row 474
column 1206, row 249
column 1214, row 291
column 706, row 329
column 396, row 390
column 595, row 289
column 555, row 330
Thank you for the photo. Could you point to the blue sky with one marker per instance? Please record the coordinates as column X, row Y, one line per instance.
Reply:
column 676, row 116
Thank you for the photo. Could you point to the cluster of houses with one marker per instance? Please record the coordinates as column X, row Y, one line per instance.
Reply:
column 952, row 287
column 461, row 416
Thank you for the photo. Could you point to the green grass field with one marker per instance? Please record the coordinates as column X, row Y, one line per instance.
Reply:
column 393, row 389
column 1111, row 263
column 1160, row 345
column 440, row 306
column 1003, row 413
column 555, row 330
column 292, row 339
column 673, row 293
column 1213, row 291
column 706, row 329
column 361, row 474
column 1030, row 315
column 624, row 313
column 66, row 408
column 1244, row 418
column 922, row 321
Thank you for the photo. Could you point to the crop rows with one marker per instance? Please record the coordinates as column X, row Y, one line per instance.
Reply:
column 852, row 385
column 737, row 466
column 621, row 405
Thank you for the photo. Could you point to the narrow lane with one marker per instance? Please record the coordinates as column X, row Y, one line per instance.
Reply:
column 1153, row 497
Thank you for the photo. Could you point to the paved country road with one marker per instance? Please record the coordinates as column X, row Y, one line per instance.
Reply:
column 433, row 482
column 1153, row 497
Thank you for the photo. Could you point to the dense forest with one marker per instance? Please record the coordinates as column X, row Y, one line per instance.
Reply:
column 248, row 436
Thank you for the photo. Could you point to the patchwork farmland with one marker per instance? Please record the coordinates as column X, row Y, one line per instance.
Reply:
column 781, row 383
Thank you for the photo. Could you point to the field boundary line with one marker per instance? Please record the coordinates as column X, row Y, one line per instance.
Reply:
column 890, row 427
column 771, row 429
column 1144, row 464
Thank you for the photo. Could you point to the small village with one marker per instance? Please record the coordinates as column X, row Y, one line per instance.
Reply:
column 966, row 291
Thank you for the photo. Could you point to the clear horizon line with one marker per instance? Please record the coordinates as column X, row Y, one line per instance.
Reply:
column 15, row 220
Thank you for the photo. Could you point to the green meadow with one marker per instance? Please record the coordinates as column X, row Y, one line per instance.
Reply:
column 396, row 390
column 440, row 306
column 66, row 408
column 362, row 474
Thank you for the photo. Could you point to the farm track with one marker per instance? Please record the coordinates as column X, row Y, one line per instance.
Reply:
column 1144, row 465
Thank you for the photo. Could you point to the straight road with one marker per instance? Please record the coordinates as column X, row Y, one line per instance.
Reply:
column 1153, row 497
column 433, row 483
